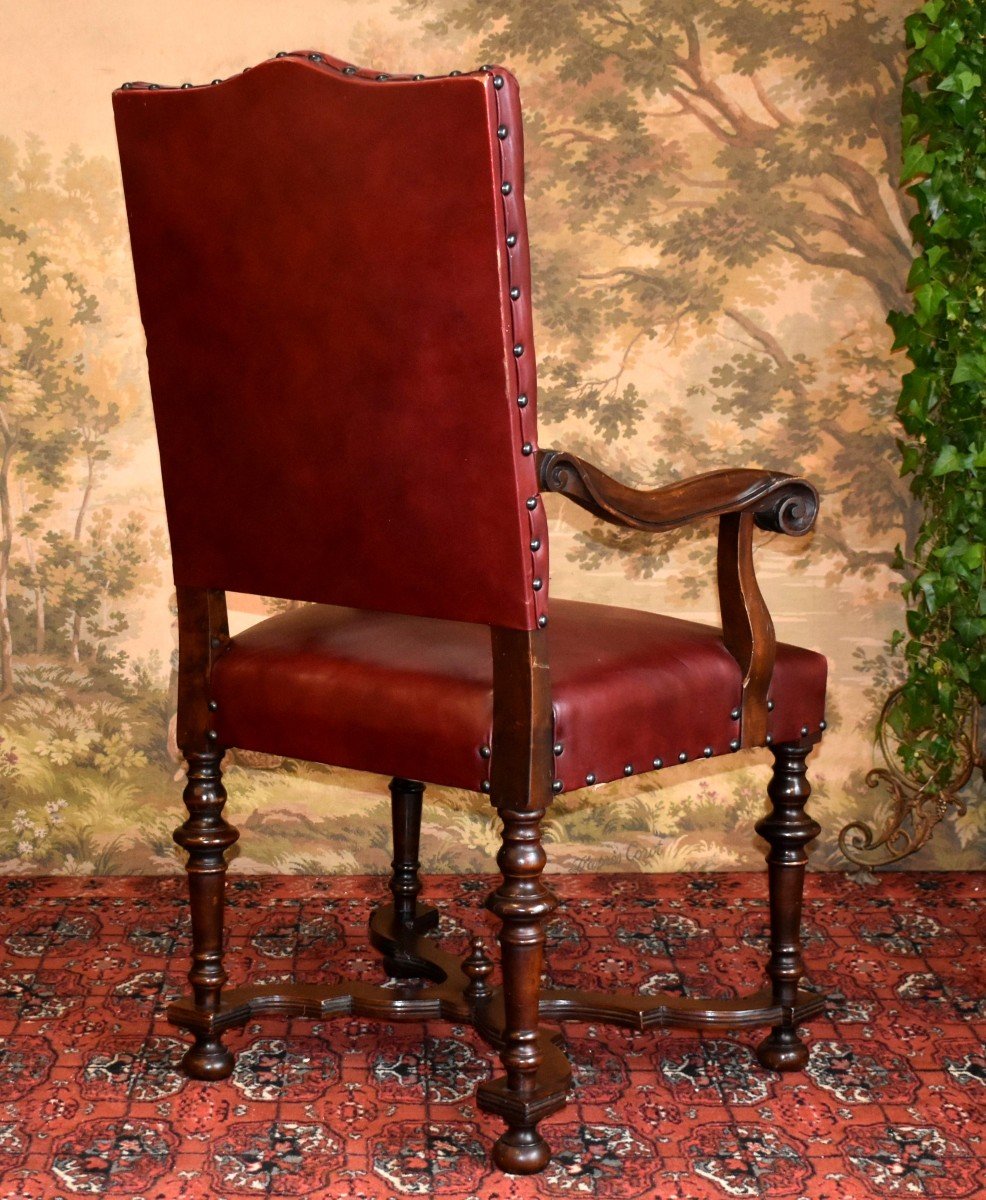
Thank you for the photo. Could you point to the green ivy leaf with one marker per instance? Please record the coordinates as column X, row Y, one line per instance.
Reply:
column 963, row 81
column 917, row 161
column 970, row 630
column 917, row 623
column 969, row 368
column 973, row 556
column 928, row 298
column 910, row 460
column 919, row 273
column 939, row 49
column 928, row 583
column 946, row 227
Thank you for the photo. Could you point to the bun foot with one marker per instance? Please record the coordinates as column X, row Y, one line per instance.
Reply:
column 207, row 1059
column 783, row 1050
column 521, row 1152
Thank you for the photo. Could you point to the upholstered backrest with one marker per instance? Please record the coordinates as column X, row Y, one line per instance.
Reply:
column 334, row 281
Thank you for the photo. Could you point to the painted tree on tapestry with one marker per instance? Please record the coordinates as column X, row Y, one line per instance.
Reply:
column 65, row 566
column 81, row 725
column 693, row 162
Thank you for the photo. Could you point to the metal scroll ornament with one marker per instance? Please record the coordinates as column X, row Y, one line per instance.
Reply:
column 922, row 795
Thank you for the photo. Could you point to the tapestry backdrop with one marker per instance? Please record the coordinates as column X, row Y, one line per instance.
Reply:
column 717, row 238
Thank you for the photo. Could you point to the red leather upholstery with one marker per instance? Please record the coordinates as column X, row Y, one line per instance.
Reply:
column 409, row 696
column 334, row 282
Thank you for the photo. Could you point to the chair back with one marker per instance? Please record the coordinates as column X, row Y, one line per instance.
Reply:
column 334, row 282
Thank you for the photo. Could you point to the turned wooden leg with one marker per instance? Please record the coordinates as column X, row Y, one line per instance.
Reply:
column 395, row 925
column 206, row 835
column 522, row 903
column 521, row 785
column 787, row 829
column 405, row 810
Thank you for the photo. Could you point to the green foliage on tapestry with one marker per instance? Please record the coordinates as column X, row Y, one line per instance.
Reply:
column 943, row 399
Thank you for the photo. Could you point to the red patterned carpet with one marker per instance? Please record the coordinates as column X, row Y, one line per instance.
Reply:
column 892, row 1104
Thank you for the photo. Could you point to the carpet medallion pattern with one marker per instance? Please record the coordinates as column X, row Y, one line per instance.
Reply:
column 892, row 1104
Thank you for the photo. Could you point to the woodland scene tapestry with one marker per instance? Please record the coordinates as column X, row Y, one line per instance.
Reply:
column 717, row 237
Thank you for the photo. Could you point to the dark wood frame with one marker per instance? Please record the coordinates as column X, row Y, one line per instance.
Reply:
column 536, row 1071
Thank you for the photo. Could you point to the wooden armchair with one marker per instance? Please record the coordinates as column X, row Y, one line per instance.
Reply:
column 333, row 275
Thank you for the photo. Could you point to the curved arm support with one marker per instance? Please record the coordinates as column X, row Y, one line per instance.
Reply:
column 747, row 629
column 740, row 498
column 780, row 503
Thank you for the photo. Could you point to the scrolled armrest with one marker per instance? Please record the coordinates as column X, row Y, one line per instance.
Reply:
column 791, row 507
column 740, row 498
column 780, row 503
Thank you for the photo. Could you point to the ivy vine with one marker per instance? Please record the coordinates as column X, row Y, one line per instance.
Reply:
column 942, row 404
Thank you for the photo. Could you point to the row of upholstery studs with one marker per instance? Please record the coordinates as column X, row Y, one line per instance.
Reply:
column 348, row 70
column 657, row 764
column 383, row 77
column 506, row 189
column 527, row 448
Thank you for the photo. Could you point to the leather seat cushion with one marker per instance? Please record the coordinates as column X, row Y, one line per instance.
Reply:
column 412, row 696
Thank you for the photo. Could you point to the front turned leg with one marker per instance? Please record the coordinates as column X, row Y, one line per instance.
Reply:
column 522, row 903
column 206, row 835
column 787, row 830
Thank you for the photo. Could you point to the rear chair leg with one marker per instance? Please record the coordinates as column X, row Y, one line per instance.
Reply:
column 787, row 829
column 406, row 797
column 522, row 903
column 206, row 835
column 410, row 917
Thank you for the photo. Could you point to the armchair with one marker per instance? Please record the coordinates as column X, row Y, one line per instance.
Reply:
column 333, row 276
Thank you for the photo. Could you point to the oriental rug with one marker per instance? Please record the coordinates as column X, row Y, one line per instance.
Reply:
column 891, row 1105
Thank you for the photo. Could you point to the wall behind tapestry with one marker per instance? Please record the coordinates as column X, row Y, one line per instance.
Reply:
column 717, row 237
